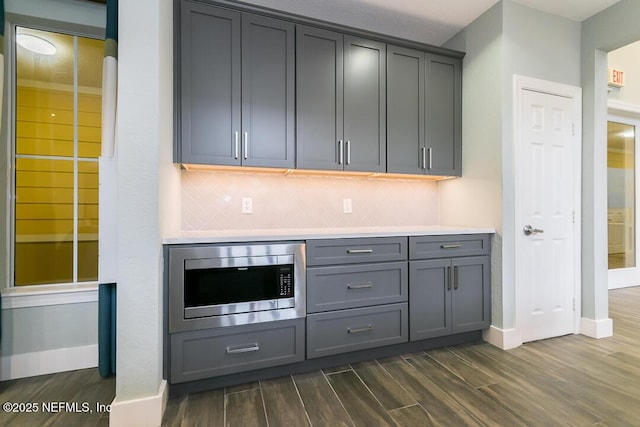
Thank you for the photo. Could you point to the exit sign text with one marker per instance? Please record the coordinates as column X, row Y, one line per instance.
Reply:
column 616, row 77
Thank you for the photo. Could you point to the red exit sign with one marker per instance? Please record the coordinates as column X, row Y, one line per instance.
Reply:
column 616, row 77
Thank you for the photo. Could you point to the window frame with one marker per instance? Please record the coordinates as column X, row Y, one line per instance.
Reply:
column 40, row 294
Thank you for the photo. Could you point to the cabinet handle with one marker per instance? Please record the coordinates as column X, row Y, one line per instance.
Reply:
column 236, row 146
column 246, row 349
column 359, row 251
column 423, row 158
column 430, row 158
column 340, row 153
column 245, row 148
column 455, row 278
column 362, row 286
column 453, row 246
column 360, row 330
column 448, row 279
column 348, row 152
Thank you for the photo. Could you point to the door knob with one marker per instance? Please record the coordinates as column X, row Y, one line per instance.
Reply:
column 529, row 230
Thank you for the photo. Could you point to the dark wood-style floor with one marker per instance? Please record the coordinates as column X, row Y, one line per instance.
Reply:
column 566, row 381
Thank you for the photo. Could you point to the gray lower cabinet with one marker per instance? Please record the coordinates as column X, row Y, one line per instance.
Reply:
column 449, row 294
column 341, row 101
column 212, row 352
column 237, row 83
column 357, row 292
column 342, row 331
column 350, row 286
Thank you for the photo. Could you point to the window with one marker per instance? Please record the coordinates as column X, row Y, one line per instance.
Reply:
column 58, row 100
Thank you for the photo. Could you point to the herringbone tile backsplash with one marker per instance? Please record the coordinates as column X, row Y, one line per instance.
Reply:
column 211, row 200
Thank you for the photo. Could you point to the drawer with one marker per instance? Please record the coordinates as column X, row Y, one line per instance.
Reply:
column 425, row 247
column 351, row 286
column 356, row 250
column 211, row 352
column 356, row 329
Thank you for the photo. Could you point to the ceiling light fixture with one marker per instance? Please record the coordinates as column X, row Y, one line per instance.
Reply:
column 36, row 44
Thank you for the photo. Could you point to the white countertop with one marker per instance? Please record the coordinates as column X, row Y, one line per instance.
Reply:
column 229, row 236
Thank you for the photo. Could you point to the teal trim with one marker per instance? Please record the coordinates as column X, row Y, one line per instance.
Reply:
column 2, row 20
column 107, row 329
column 112, row 20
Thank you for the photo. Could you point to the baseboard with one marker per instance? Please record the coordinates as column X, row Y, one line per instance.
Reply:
column 502, row 338
column 48, row 362
column 602, row 328
column 147, row 411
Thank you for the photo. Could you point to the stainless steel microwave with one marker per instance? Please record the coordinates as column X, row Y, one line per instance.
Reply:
column 213, row 286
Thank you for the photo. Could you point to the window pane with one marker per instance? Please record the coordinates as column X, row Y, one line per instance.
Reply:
column 87, row 221
column 621, row 195
column 90, row 55
column 58, row 115
column 44, row 222
column 44, row 95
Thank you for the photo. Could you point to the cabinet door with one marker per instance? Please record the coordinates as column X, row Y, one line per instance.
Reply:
column 268, row 98
column 429, row 299
column 210, row 85
column 471, row 294
column 405, row 111
column 443, row 115
column 319, row 96
column 364, row 105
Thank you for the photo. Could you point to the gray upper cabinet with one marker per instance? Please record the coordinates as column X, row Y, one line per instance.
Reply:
column 341, row 101
column 237, row 88
column 423, row 113
column 210, row 84
column 405, row 110
column 268, row 92
column 319, row 71
column 443, row 115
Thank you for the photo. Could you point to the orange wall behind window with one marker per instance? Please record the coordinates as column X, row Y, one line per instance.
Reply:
column 44, row 187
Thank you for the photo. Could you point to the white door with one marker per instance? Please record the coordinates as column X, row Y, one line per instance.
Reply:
column 546, row 186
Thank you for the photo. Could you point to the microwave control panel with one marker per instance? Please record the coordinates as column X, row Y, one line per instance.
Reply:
column 286, row 281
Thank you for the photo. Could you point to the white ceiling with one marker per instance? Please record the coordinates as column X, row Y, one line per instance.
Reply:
column 428, row 21
column 457, row 14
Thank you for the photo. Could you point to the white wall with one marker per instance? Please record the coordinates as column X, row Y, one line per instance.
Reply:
column 509, row 39
column 476, row 198
column 33, row 331
column 610, row 29
column 147, row 180
column 627, row 59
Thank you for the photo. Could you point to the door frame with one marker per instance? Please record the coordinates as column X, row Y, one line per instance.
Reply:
column 521, row 83
column 622, row 112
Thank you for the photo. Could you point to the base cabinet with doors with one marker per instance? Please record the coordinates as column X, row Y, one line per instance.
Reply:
column 237, row 88
column 362, row 295
column 449, row 285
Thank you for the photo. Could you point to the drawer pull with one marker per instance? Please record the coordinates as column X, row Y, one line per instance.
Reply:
column 360, row 330
column 247, row 349
column 359, row 251
column 454, row 246
column 362, row 286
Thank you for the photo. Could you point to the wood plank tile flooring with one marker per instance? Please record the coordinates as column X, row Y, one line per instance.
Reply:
column 566, row 381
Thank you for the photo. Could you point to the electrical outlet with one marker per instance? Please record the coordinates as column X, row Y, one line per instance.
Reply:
column 347, row 206
column 247, row 205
